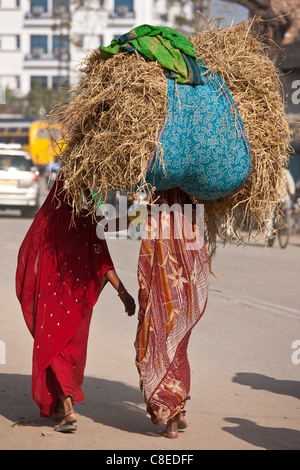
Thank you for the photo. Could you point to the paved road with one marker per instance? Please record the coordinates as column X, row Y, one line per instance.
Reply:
column 245, row 387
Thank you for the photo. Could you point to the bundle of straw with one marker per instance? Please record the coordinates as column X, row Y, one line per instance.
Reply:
column 111, row 125
column 241, row 59
column 113, row 122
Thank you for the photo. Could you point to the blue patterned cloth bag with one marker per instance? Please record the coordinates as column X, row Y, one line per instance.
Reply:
column 202, row 147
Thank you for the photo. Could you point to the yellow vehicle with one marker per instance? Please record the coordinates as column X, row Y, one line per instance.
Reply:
column 45, row 142
column 41, row 140
column 15, row 131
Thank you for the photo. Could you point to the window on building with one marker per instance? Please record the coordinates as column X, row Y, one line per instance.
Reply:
column 123, row 6
column 10, row 4
column 38, row 6
column 59, row 81
column 38, row 44
column 18, row 41
column 60, row 44
column 60, row 6
column 39, row 81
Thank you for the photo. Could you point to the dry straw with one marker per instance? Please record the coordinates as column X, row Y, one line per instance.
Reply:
column 111, row 124
column 241, row 59
column 117, row 111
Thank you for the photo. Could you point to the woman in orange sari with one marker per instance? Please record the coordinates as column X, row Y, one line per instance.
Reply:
column 62, row 269
column 173, row 275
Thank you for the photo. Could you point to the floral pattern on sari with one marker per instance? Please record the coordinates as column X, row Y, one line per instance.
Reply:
column 173, row 276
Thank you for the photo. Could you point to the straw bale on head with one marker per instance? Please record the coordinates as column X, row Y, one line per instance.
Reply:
column 241, row 59
column 111, row 125
column 113, row 121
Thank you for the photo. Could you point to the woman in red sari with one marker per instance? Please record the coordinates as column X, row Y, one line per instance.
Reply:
column 173, row 275
column 62, row 268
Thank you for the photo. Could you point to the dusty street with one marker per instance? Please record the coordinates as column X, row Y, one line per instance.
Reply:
column 245, row 379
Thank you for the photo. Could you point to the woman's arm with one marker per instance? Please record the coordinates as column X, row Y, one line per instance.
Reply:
column 125, row 297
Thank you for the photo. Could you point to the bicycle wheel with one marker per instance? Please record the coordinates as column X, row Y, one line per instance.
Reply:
column 283, row 237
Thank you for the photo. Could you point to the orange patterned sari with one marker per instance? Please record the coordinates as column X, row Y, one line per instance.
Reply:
column 173, row 275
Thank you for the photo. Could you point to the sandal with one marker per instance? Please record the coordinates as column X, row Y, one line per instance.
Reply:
column 181, row 422
column 169, row 434
column 68, row 425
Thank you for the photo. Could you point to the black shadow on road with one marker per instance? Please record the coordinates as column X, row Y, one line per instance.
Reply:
column 108, row 402
column 262, row 382
column 261, row 436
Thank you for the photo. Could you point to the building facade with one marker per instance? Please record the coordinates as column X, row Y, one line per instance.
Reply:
column 45, row 40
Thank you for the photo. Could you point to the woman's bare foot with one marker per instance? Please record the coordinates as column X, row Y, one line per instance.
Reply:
column 69, row 417
column 172, row 429
column 59, row 411
column 177, row 422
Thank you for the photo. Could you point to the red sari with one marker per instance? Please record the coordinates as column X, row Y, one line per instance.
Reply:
column 60, row 274
column 173, row 274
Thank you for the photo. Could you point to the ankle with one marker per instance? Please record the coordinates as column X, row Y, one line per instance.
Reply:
column 172, row 425
column 67, row 404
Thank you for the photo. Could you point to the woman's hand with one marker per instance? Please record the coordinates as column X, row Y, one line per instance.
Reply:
column 128, row 302
column 126, row 298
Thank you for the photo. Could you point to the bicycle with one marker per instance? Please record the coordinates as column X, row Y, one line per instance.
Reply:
column 295, row 216
column 280, row 228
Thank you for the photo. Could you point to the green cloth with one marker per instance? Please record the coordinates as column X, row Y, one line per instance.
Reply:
column 173, row 51
column 98, row 199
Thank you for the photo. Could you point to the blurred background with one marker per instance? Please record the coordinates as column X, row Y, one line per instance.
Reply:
column 42, row 43
column 246, row 386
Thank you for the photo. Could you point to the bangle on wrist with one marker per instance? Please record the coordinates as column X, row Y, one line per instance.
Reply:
column 122, row 292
